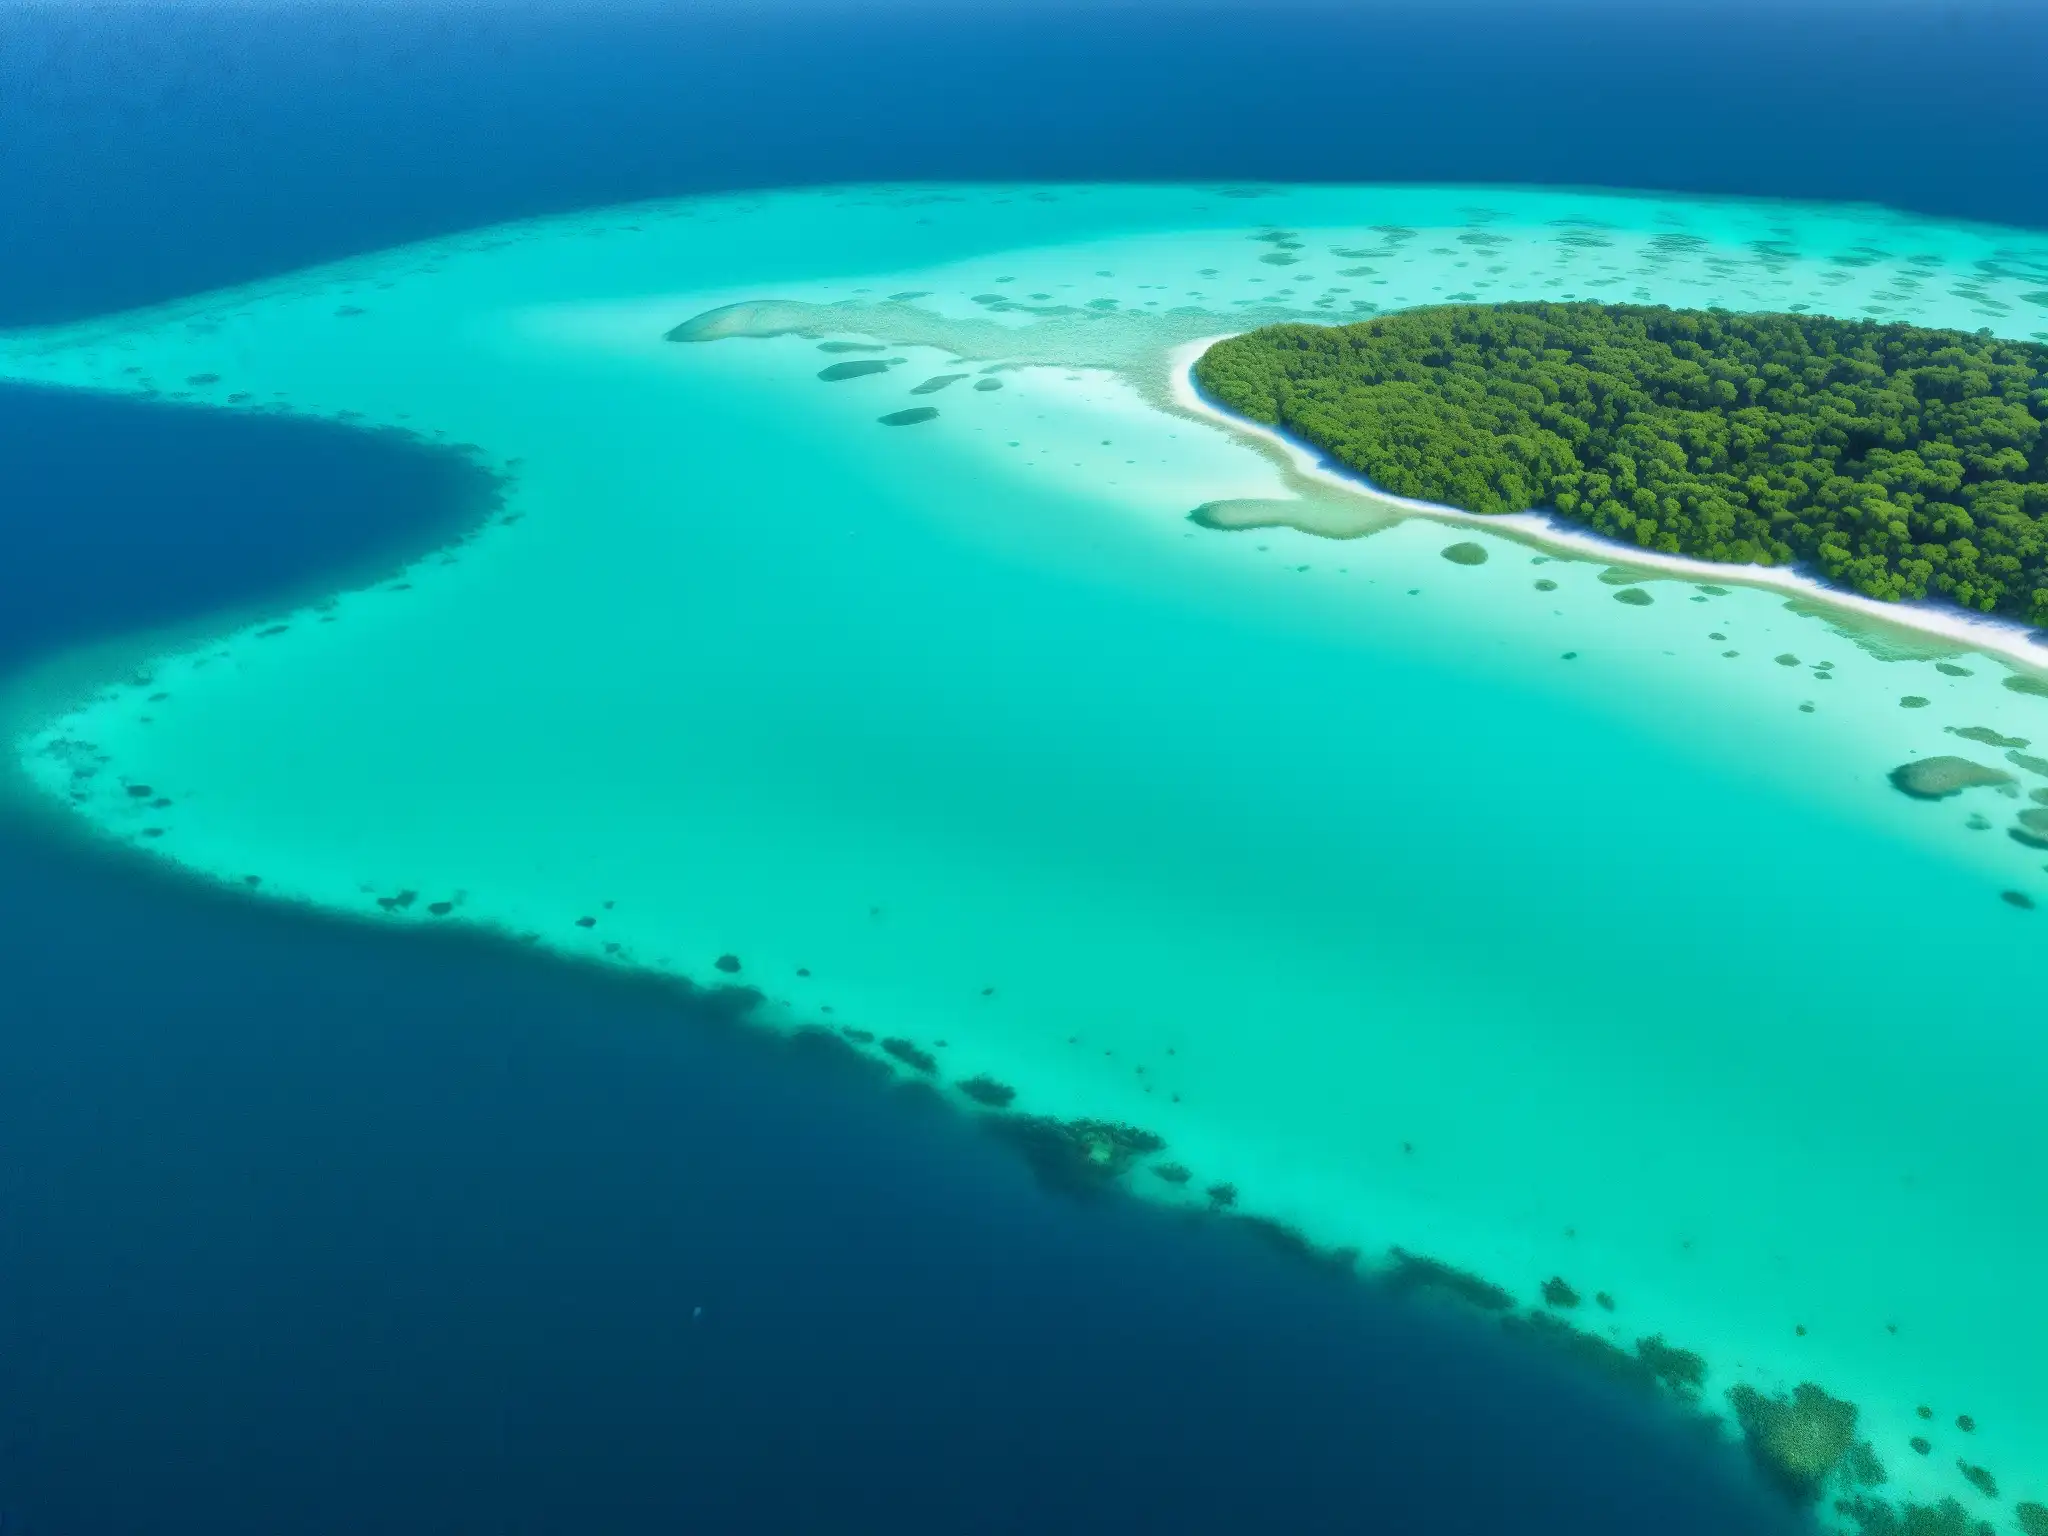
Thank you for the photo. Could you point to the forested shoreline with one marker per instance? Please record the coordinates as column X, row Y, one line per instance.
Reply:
column 1895, row 460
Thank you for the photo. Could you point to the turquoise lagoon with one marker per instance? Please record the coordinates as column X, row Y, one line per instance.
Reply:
column 1420, row 907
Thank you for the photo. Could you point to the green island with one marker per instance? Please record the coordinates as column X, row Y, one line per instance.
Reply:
column 1897, row 461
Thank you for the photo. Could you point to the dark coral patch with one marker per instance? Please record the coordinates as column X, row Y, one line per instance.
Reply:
column 909, row 418
column 1413, row 1274
column 912, row 1056
column 1587, row 1350
column 1796, row 1441
column 834, row 373
column 1978, row 1478
column 816, row 1043
column 1936, row 778
column 1679, row 1370
column 984, row 1089
column 1291, row 1242
column 1076, row 1157
column 1986, row 735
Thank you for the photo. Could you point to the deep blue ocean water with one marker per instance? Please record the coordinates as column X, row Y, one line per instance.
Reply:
column 309, row 1228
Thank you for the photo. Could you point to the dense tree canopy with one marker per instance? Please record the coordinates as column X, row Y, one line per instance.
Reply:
column 1898, row 461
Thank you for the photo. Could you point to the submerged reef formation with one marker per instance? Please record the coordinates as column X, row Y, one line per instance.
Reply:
column 1076, row 1156
column 1936, row 778
column 1902, row 462
column 1798, row 1440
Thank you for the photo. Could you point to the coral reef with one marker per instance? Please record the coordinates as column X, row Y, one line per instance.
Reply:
column 815, row 1043
column 912, row 1056
column 1979, row 1478
column 1277, row 1234
column 1075, row 1156
column 1797, row 1441
column 1986, row 735
column 833, row 373
column 1680, row 1370
column 1948, row 1518
column 1586, row 1350
column 1936, row 778
column 1414, row 1274
column 984, row 1089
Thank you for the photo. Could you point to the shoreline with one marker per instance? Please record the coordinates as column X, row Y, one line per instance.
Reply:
column 2006, row 639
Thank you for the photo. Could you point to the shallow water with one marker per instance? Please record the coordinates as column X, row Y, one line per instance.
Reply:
column 319, row 1226
column 1526, row 929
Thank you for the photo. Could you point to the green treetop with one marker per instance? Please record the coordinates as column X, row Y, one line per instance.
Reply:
column 1897, row 461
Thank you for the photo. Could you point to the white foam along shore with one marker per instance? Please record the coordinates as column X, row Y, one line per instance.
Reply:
column 1978, row 632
